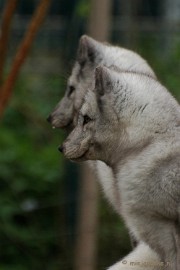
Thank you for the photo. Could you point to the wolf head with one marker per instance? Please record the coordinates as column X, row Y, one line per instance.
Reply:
column 91, row 54
column 121, row 116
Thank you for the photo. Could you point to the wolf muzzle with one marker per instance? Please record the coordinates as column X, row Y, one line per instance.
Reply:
column 61, row 148
column 49, row 118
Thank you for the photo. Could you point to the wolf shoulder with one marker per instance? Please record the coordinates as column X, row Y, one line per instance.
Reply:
column 153, row 179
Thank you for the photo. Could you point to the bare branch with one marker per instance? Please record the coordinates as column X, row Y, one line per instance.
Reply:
column 37, row 19
column 4, row 35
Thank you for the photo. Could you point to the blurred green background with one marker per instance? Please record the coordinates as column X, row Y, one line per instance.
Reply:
column 38, row 188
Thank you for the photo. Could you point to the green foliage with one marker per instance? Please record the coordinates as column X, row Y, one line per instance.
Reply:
column 31, row 180
column 83, row 8
column 169, row 69
column 164, row 61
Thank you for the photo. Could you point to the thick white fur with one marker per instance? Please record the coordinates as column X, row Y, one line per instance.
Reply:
column 122, row 59
column 134, row 127
column 141, row 258
column 142, row 254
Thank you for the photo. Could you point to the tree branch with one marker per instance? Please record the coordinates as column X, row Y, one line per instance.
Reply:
column 4, row 35
column 24, row 47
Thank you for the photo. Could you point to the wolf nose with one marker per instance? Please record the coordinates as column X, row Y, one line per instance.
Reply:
column 49, row 118
column 61, row 148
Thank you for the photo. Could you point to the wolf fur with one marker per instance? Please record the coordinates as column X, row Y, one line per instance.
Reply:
column 141, row 258
column 90, row 54
column 132, row 123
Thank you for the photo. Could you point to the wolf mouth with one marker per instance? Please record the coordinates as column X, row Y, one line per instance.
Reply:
column 67, row 127
column 80, row 158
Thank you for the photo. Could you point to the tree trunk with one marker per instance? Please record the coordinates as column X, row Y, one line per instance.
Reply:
column 99, row 19
column 86, row 244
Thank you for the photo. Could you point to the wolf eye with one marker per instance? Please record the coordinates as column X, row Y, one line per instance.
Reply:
column 71, row 89
column 86, row 120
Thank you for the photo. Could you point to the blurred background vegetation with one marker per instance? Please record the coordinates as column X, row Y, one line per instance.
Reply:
column 39, row 189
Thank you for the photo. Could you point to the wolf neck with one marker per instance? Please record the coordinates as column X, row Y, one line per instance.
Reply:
column 125, row 151
column 155, row 146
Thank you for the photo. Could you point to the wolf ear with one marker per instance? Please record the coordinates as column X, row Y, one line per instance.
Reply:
column 88, row 49
column 103, row 80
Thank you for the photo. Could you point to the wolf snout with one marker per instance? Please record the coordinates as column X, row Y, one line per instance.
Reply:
column 61, row 148
column 49, row 119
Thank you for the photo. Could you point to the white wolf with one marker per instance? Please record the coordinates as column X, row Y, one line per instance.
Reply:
column 132, row 123
column 90, row 54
